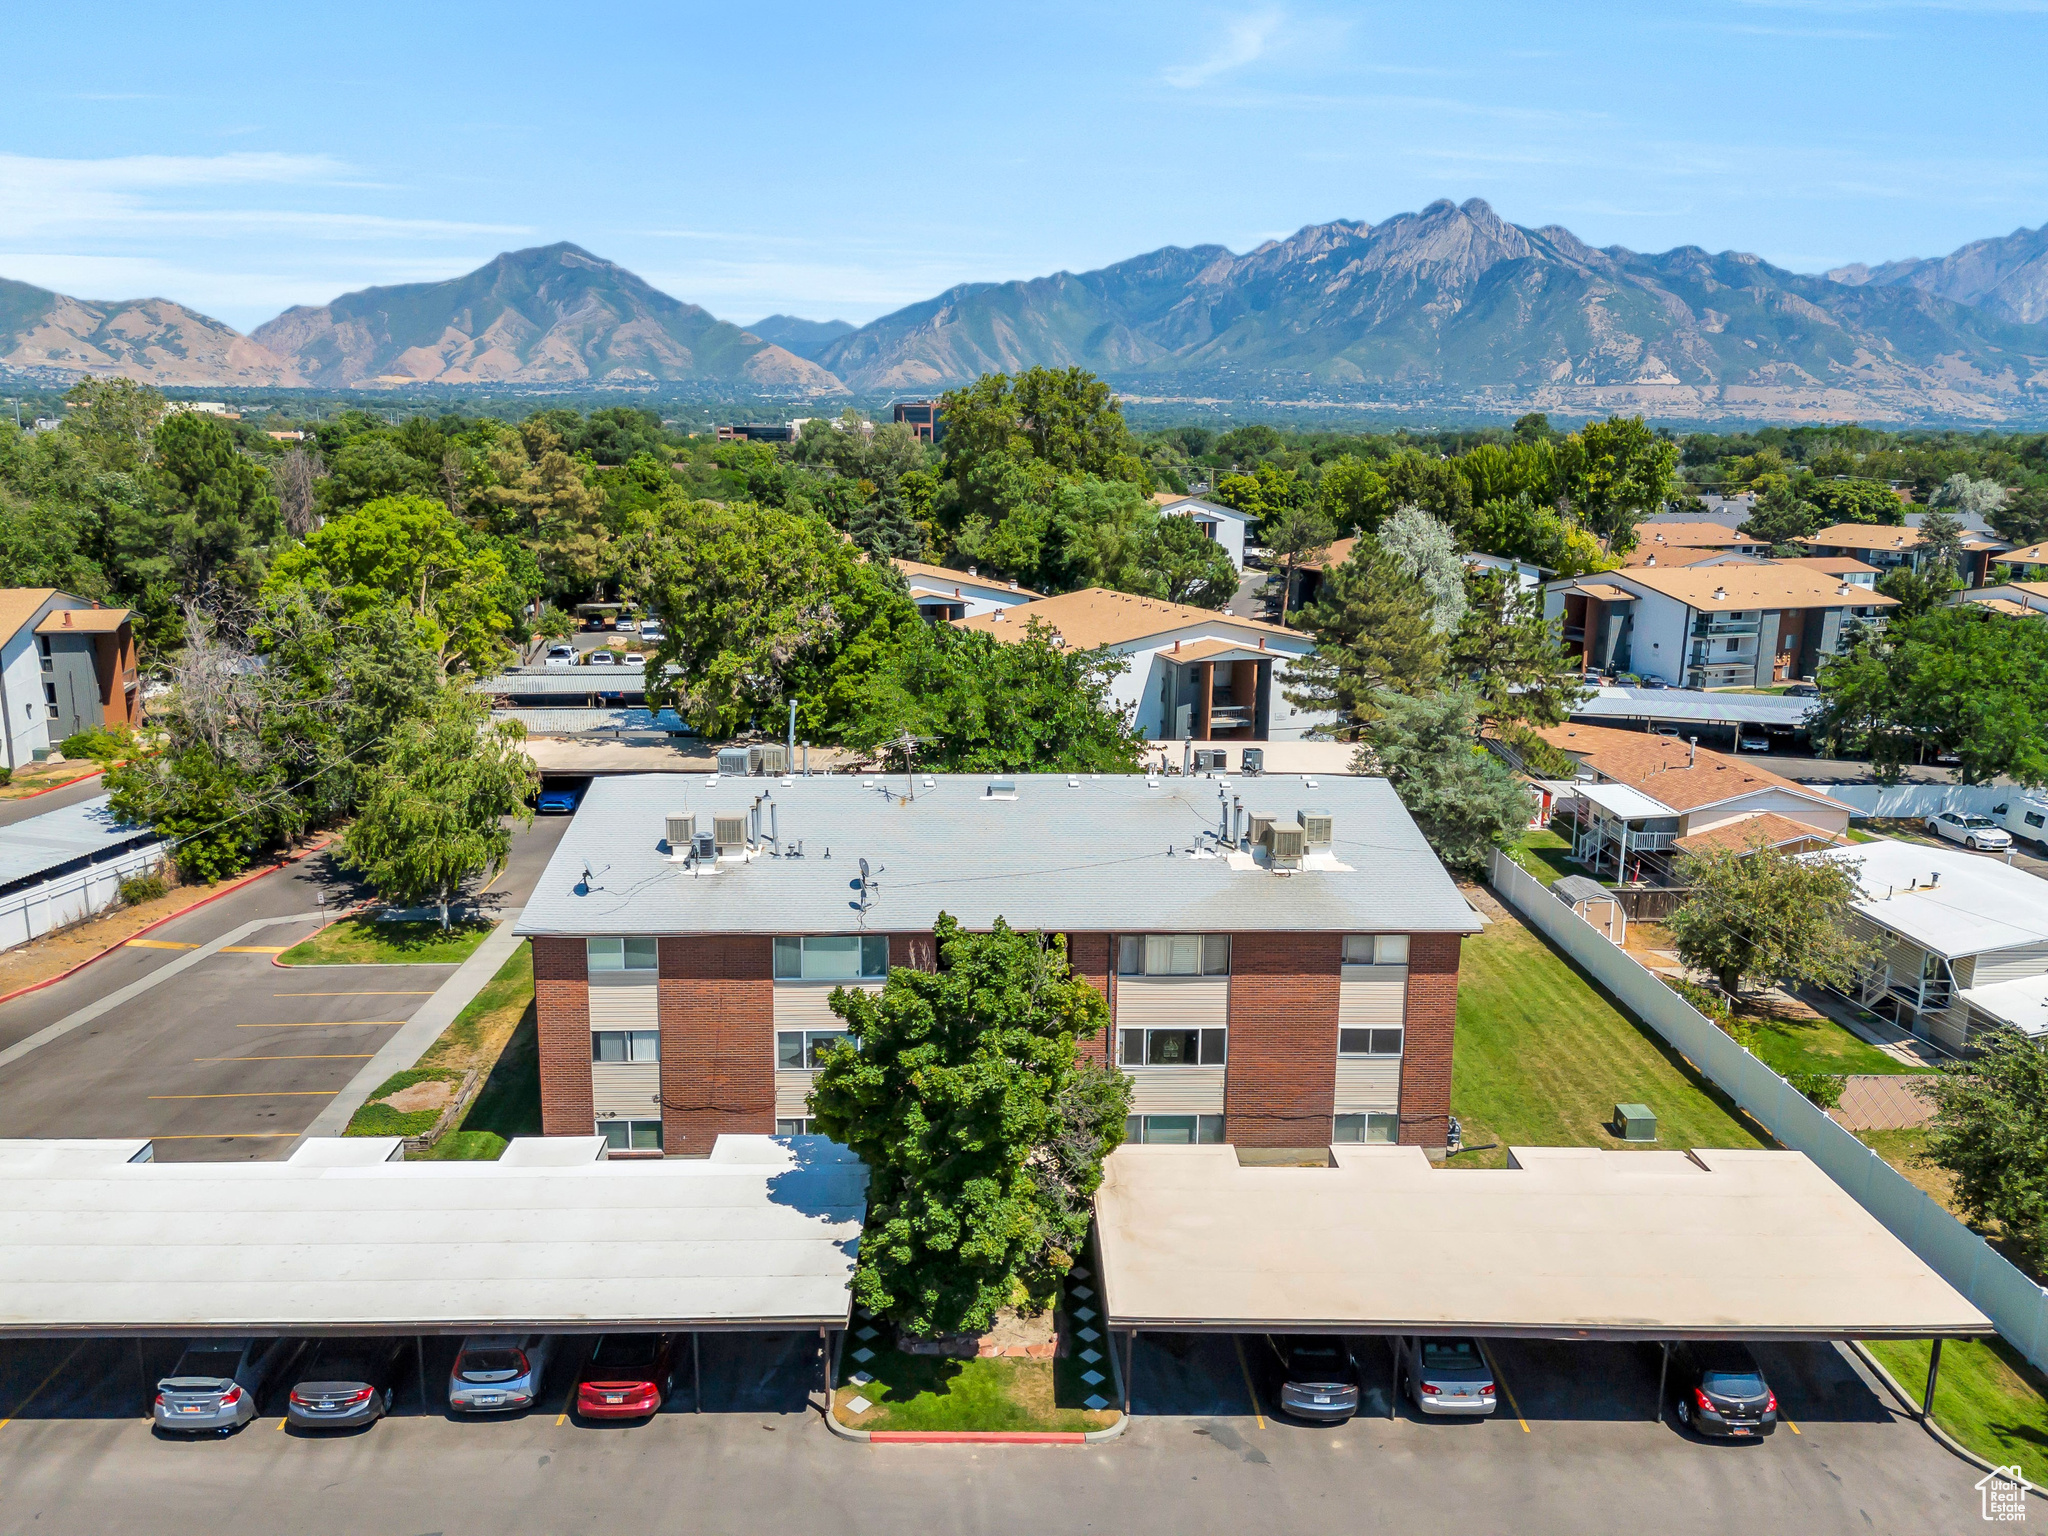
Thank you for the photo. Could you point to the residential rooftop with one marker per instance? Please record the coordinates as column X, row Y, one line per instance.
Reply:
column 1770, row 830
column 1660, row 540
column 1096, row 616
column 1694, row 706
column 32, row 848
column 1674, row 773
column 1946, row 899
column 917, row 571
column 1053, row 851
column 1738, row 588
column 1880, row 536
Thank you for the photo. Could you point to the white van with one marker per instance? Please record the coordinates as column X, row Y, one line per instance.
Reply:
column 2025, row 817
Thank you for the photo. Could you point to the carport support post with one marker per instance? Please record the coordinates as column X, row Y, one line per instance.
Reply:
column 419, row 1356
column 697, row 1374
column 1130, row 1359
column 1933, row 1370
column 148, row 1398
column 1394, row 1373
column 1663, row 1375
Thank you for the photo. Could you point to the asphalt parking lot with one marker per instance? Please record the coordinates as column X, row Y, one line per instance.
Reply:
column 1580, row 1454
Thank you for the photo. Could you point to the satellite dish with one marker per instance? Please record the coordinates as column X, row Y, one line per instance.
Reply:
column 863, row 869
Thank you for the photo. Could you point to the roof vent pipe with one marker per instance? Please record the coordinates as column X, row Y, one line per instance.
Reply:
column 1693, row 755
column 1934, row 879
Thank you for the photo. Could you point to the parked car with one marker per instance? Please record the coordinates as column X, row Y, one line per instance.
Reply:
column 558, row 802
column 624, row 625
column 1971, row 831
column 347, row 1383
column 652, row 632
column 1651, row 682
column 560, row 656
column 603, row 659
column 628, row 1376
column 2025, row 817
column 1752, row 741
column 1318, row 1377
column 218, row 1384
column 1447, row 1376
column 1720, row 1390
column 499, row 1372
column 1665, row 730
column 1802, row 691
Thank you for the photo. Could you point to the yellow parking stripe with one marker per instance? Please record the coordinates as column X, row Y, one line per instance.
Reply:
column 1506, row 1390
column 1789, row 1425
column 282, row 1093
column 23, row 1407
column 351, row 1056
column 1257, row 1412
column 159, row 944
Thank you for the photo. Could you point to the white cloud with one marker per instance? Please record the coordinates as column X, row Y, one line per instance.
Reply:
column 1244, row 41
column 40, row 196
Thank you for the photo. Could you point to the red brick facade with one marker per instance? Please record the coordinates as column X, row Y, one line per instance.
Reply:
column 917, row 951
column 1092, row 955
column 561, row 1006
column 717, row 1040
column 1281, row 1087
column 1432, row 1022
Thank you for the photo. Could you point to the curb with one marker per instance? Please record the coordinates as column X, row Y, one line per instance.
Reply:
column 976, row 1437
column 51, row 789
column 1941, row 1436
column 227, row 890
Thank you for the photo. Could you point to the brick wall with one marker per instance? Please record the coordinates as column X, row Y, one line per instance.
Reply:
column 717, row 1040
column 1432, row 1022
column 1090, row 955
column 561, row 1005
column 1281, row 1088
column 918, row 951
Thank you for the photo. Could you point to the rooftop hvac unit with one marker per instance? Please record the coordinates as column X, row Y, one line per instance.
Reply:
column 732, row 760
column 682, row 831
column 1318, row 829
column 1262, row 823
column 1253, row 762
column 770, row 758
column 1283, row 839
column 1208, row 761
column 729, row 831
column 707, row 847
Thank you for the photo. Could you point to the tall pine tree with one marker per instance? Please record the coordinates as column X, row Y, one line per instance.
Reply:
column 1372, row 629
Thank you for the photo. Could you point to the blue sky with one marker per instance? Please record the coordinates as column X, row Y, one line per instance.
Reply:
column 844, row 160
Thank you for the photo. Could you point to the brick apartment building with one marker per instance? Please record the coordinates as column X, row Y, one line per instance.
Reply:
column 1280, row 954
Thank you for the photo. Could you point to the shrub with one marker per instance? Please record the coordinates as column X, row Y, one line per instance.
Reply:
column 1823, row 1088
column 137, row 889
column 102, row 746
column 6, row 777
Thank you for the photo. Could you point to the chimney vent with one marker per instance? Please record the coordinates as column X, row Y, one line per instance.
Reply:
column 1934, row 879
column 1002, row 789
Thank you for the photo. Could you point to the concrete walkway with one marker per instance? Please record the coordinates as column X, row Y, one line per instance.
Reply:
column 410, row 1043
column 1877, row 1102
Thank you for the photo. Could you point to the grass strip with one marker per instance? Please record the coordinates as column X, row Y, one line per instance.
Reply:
column 1988, row 1396
column 366, row 941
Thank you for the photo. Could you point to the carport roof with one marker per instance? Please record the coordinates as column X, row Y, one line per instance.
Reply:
column 762, row 1234
column 1567, row 1242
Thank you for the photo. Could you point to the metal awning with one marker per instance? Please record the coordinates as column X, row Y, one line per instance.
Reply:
column 549, row 1238
column 1620, row 800
column 1568, row 1242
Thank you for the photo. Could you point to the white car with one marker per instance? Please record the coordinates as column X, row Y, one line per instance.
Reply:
column 1979, row 832
column 603, row 659
column 560, row 656
column 652, row 632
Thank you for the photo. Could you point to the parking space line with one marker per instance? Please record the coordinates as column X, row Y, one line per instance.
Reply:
column 281, row 1093
column 349, row 1056
column 1506, row 1390
column 158, row 944
column 22, row 1407
column 1789, row 1425
column 1237, row 1343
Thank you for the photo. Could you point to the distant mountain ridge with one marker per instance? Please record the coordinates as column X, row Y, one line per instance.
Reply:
column 153, row 339
column 2007, row 275
column 554, row 314
column 806, row 338
column 1453, row 305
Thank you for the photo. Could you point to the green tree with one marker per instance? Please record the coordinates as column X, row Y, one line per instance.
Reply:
column 216, row 813
column 885, row 529
column 221, row 502
column 1184, row 565
column 983, row 1131
column 1428, row 552
column 1766, row 916
column 1780, row 518
column 434, row 811
column 115, row 419
column 1855, row 501
column 1297, row 535
column 1267, row 493
column 983, row 705
column 2023, row 518
column 1464, row 799
column 1961, row 493
column 1941, row 543
column 1916, row 592
column 1351, row 497
column 1372, row 630
column 371, row 469
column 1006, row 436
column 1511, row 656
column 1425, row 480
column 1990, row 1129
column 1616, row 472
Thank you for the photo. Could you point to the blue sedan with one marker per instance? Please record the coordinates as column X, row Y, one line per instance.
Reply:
column 557, row 802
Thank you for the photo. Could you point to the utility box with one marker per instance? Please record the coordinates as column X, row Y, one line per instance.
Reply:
column 1253, row 762
column 1634, row 1122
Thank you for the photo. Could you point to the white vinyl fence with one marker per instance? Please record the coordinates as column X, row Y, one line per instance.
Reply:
column 1918, row 799
column 57, row 903
column 2005, row 1295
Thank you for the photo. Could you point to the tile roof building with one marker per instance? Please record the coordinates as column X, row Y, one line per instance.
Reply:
column 66, row 665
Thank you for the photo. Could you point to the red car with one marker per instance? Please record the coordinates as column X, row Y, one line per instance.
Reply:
column 629, row 1376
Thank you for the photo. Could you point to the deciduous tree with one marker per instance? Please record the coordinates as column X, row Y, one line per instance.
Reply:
column 1990, row 1129
column 1765, row 916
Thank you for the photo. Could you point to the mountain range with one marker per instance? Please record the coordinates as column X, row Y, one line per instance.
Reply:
column 1449, row 308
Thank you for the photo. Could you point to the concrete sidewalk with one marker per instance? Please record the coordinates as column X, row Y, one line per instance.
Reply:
column 410, row 1043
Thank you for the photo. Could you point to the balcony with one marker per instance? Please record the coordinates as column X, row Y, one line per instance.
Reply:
column 1714, row 626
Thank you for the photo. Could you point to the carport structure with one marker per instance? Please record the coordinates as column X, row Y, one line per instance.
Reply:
column 97, row 1239
column 1572, row 1243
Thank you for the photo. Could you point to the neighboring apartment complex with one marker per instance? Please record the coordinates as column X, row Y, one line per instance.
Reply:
column 1226, row 525
column 1684, row 543
column 1889, row 548
column 1737, row 624
column 66, row 665
column 943, row 593
column 1194, row 675
column 1278, row 989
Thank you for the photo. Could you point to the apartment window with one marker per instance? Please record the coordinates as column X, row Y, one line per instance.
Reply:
column 1379, row 1128
column 832, row 957
column 1174, row 1130
column 804, row 1050
column 43, row 645
column 625, row 1045
column 1173, row 1047
column 1173, row 954
column 1376, row 949
column 1368, row 1042
column 1734, row 645
column 792, row 1127
column 622, row 954
column 630, row 1135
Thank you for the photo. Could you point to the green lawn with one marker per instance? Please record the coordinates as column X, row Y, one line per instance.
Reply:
column 922, row 1392
column 1544, row 854
column 377, row 1118
column 365, row 941
column 1987, row 1396
column 1543, row 1056
column 1816, row 1045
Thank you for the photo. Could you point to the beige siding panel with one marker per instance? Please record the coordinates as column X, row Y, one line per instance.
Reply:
column 626, row 1090
column 807, row 1004
column 625, row 1008
column 792, row 1091
column 1176, row 1090
column 1996, row 965
column 1372, row 994
column 1368, row 1083
column 1173, row 1002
